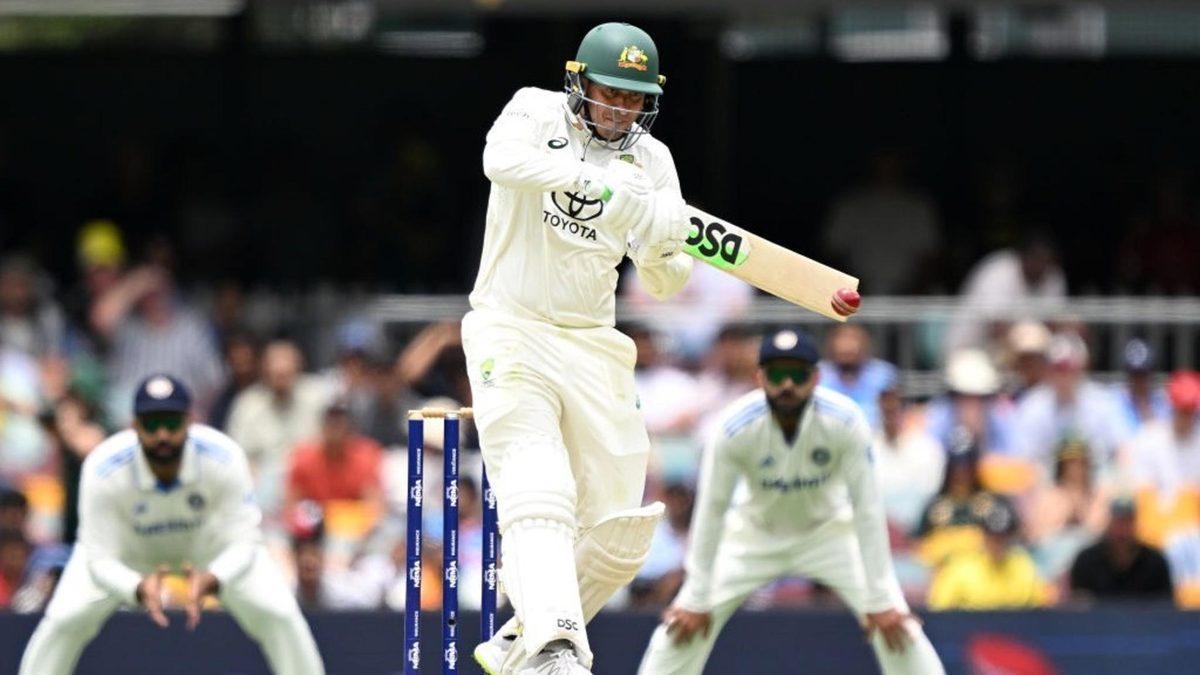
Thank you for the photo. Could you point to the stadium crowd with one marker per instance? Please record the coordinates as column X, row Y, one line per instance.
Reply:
column 1024, row 482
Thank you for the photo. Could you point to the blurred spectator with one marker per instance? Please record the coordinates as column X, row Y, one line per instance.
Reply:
column 271, row 416
column 76, row 431
column 884, row 229
column 14, row 510
column 242, row 368
column 45, row 568
column 23, row 447
column 1002, row 282
column 15, row 550
column 848, row 368
column 316, row 586
column 909, row 462
column 1118, row 566
column 661, row 575
column 728, row 371
column 1166, row 465
column 972, row 412
column 949, row 524
column 152, row 330
column 1070, row 513
column 340, row 464
column 999, row 576
column 1070, row 405
column 691, row 320
column 1140, row 399
column 1026, row 352
column 100, row 254
column 30, row 320
column 377, row 393
column 669, row 404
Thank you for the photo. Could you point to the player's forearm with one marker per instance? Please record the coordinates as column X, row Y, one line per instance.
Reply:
column 870, row 522
column 115, row 577
column 517, row 165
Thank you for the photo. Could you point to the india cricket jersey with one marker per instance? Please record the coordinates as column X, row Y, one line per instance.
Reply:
column 550, row 253
column 759, row 493
column 129, row 523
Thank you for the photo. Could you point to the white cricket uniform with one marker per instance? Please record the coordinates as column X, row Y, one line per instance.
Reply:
column 129, row 525
column 551, row 378
column 767, row 508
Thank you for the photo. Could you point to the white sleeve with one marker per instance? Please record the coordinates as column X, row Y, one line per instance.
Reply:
column 99, row 530
column 719, row 474
column 658, row 236
column 870, row 521
column 238, row 517
column 514, row 156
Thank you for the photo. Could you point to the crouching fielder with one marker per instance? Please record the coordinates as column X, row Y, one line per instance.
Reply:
column 164, row 496
column 799, row 457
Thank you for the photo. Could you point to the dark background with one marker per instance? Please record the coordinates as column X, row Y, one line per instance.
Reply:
column 364, row 168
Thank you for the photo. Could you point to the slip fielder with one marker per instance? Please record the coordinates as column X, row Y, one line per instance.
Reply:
column 787, row 488
column 169, row 495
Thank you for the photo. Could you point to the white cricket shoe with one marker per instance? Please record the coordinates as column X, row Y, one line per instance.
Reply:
column 492, row 654
column 561, row 661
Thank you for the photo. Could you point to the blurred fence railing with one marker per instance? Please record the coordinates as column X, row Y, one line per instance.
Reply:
column 910, row 330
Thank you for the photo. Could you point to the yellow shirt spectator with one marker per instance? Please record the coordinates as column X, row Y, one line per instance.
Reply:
column 977, row 581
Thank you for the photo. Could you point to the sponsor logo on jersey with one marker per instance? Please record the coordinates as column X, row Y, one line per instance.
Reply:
column 716, row 244
column 172, row 526
column 633, row 57
column 785, row 485
column 567, row 225
column 820, row 456
column 576, row 206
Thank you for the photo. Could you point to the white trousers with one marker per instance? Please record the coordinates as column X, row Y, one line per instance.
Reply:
column 829, row 555
column 259, row 601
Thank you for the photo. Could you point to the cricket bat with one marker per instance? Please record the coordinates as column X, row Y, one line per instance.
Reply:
column 764, row 264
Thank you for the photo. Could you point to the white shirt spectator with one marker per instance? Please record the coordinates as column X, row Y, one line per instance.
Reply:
column 995, row 286
column 909, row 473
column 1164, row 461
column 1095, row 417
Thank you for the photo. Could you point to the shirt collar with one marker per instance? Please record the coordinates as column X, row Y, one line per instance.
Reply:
column 146, row 479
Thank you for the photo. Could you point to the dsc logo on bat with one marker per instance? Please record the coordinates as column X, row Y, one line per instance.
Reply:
column 722, row 246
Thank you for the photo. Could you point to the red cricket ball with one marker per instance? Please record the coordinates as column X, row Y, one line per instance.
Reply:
column 845, row 301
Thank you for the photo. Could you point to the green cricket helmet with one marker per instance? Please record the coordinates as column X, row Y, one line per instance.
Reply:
column 621, row 56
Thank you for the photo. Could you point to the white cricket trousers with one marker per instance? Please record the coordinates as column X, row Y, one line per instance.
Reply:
column 829, row 555
column 259, row 600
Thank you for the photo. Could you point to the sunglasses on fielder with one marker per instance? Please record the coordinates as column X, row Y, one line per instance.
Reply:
column 797, row 374
column 172, row 422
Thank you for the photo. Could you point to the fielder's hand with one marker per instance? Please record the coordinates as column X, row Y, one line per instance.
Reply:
column 890, row 623
column 200, row 584
column 683, row 624
column 149, row 594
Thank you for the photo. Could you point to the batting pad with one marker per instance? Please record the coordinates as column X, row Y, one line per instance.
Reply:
column 609, row 555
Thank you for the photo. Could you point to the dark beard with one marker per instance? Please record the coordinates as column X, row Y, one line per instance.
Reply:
column 163, row 453
column 786, row 408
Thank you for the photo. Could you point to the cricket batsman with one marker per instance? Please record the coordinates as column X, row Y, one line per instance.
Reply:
column 169, row 495
column 798, row 458
column 578, row 184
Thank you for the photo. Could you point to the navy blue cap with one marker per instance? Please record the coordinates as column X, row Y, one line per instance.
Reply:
column 788, row 343
column 161, row 393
